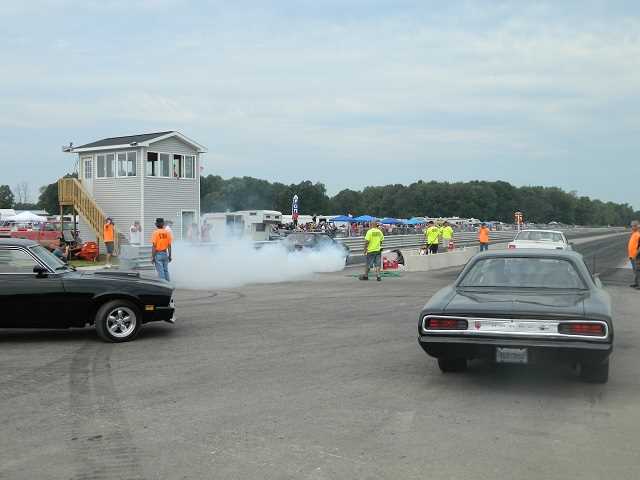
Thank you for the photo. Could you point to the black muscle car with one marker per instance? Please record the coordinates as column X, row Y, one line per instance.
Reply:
column 521, row 306
column 314, row 241
column 38, row 290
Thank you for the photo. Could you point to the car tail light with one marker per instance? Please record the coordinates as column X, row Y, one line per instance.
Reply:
column 511, row 245
column 444, row 323
column 577, row 328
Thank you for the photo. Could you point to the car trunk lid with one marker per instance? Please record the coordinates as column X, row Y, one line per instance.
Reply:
column 518, row 303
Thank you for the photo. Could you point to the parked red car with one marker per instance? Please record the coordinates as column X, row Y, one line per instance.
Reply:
column 47, row 234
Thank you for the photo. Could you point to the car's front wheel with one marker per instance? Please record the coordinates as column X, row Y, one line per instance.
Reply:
column 595, row 372
column 452, row 364
column 118, row 321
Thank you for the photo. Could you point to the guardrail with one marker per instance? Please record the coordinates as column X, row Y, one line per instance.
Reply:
column 356, row 244
column 139, row 257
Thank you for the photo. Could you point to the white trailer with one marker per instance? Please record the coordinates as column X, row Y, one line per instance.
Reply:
column 254, row 225
column 7, row 212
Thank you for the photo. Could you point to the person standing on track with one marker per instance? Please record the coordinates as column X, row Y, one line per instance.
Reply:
column 483, row 237
column 633, row 250
column 373, row 251
column 108, row 235
column 135, row 233
column 161, row 240
column 447, row 235
column 432, row 234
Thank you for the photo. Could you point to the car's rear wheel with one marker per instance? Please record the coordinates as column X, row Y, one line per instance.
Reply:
column 118, row 321
column 452, row 364
column 595, row 372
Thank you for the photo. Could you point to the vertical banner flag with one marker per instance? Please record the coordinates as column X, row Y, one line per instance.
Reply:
column 294, row 208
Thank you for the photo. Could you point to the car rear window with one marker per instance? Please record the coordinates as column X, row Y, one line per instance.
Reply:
column 523, row 272
column 301, row 239
column 533, row 236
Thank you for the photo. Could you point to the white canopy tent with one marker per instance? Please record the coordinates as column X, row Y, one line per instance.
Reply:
column 27, row 217
column 6, row 212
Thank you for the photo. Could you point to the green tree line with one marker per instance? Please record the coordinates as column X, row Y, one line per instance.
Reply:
column 478, row 199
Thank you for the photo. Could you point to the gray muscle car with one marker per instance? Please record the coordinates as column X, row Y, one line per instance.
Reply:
column 521, row 306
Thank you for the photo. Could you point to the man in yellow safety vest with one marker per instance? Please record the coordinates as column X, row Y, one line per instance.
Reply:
column 447, row 235
column 373, row 251
column 432, row 234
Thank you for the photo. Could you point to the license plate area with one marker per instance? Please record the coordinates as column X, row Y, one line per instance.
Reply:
column 512, row 355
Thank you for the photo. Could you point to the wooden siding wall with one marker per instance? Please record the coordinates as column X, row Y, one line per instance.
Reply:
column 172, row 145
column 167, row 197
column 86, row 233
column 94, row 161
column 119, row 197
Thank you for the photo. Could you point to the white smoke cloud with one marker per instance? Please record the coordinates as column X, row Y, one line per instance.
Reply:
column 239, row 263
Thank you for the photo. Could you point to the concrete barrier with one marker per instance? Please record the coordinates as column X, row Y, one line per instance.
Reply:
column 414, row 262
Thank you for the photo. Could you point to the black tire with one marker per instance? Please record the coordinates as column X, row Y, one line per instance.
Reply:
column 448, row 365
column 595, row 372
column 118, row 321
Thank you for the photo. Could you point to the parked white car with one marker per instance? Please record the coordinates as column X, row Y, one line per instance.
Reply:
column 547, row 239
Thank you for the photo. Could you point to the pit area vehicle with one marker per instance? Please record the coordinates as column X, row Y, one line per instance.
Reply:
column 548, row 239
column 521, row 306
column 6, row 227
column 255, row 225
column 46, row 234
column 40, row 291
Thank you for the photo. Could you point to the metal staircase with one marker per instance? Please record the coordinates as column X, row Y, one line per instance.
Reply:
column 71, row 192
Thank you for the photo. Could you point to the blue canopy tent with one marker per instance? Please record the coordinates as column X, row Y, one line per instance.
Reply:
column 390, row 221
column 416, row 221
column 364, row 218
column 342, row 218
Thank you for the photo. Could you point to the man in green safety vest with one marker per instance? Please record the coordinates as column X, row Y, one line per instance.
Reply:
column 447, row 235
column 373, row 251
column 432, row 234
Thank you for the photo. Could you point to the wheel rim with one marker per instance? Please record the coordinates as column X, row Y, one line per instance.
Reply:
column 121, row 322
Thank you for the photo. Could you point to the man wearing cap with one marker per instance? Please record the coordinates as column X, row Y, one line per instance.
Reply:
column 633, row 250
column 432, row 234
column 483, row 237
column 108, row 235
column 161, row 240
column 373, row 251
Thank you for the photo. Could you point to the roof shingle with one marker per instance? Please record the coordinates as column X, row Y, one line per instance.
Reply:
column 108, row 142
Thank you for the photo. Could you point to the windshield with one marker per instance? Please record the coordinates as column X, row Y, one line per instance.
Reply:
column 48, row 258
column 523, row 272
column 537, row 236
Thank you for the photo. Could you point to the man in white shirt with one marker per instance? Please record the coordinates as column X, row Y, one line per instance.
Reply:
column 135, row 233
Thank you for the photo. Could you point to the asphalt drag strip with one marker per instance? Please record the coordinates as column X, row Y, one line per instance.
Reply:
column 314, row 379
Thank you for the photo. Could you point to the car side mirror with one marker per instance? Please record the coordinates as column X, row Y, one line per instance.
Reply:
column 40, row 271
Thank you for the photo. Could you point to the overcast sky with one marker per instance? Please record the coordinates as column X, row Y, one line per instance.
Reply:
column 350, row 93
